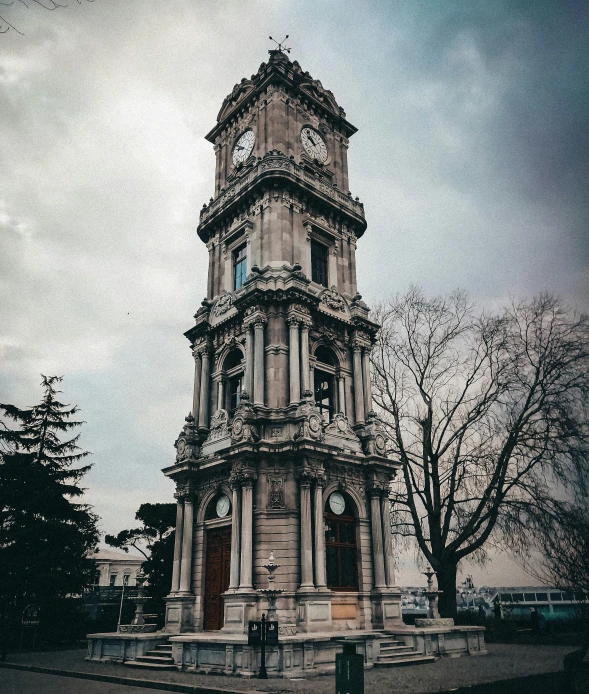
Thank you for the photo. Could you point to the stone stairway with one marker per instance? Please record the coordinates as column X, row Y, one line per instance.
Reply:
column 394, row 653
column 158, row 659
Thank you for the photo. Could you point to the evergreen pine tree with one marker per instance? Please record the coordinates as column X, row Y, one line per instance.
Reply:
column 46, row 538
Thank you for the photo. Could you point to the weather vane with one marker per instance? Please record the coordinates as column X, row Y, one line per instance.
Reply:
column 281, row 47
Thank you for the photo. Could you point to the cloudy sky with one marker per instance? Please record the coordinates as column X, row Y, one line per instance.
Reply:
column 471, row 159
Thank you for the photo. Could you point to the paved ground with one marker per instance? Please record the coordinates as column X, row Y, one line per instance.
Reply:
column 502, row 662
column 18, row 682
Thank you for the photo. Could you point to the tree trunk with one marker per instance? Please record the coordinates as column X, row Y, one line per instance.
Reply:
column 447, row 583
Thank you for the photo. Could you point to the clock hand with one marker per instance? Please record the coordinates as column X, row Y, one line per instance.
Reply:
column 238, row 147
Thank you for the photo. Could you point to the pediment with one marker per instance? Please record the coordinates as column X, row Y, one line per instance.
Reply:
column 239, row 93
column 315, row 89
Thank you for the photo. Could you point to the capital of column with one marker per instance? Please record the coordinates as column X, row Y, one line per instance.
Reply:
column 247, row 478
column 254, row 317
column 306, row 476
column 185, row 494
column 293, row 321
column 357, row 346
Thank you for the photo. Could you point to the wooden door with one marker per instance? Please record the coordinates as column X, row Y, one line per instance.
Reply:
column 217, row 567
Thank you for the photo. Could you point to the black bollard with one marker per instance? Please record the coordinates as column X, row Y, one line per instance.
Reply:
column 263, row 675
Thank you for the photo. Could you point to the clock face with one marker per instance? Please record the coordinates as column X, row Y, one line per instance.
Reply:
column 223, row 505
column 314, row 144
column 337, row 503
column 243, row 147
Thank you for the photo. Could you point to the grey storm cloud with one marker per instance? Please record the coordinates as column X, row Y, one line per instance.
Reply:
column 471, row 159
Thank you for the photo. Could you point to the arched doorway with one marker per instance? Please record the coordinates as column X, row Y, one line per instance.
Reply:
column 217, row 560
column 341, row 552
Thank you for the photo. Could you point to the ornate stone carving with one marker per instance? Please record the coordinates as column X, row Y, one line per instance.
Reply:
column 241, row 427
column 332, row 299
column 375, row 439
column 347, row 476
column 311, row 423
column 223, row 304
column 187, row 443
column 276, row 491
column 340, row 426
column 219, row 428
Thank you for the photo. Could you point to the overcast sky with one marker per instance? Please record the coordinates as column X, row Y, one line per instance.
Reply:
column 471, row 159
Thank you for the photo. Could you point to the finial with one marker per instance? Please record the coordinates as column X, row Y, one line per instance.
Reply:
column 281, row 47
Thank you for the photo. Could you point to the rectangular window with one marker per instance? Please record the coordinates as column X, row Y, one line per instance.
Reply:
column 239, row 266
column 319, row 259
column 112, row 579
column 126, row 579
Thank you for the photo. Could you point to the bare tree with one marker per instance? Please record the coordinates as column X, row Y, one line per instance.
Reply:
column 6, row 26
column 563, row 539
column 487, row 413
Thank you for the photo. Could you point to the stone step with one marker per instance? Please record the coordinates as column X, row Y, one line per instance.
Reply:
column 157, row 658
column 399, row 661
column 150, row 665
column 164, row 647
column 396, row 649
column 159, row 654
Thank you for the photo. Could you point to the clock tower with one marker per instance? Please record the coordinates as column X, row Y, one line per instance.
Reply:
column 282, row 451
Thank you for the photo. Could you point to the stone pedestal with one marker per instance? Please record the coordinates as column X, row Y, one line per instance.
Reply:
column 240, row 607
column 314, row 608
column 179, row 613
column 386, row 609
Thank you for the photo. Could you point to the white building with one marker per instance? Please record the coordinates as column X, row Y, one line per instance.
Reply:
column 116, row 568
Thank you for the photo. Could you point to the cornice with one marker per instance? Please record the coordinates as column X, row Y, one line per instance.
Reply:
column 275, row 165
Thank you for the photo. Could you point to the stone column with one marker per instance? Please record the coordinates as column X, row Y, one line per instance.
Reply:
column 358, row 386
column 249, row 361
column 341, row 394
column 294, row 360
column 235, row 536
column 377, row 552
column 366, row 380
column 305, row 358
column 320, row 578
column 196, row 391
column 245, row 579
column 177, row 545
column 306, row 534
column 220, row 395
column 186, row 565
column 389, row 564
column 203, row 414
column 259, row 374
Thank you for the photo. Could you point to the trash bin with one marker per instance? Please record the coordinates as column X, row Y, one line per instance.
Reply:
column 349, row 671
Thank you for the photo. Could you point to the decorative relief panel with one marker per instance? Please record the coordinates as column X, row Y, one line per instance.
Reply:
column 223, row 304
column 332, row 299
column 219, row 427
column 276, row 492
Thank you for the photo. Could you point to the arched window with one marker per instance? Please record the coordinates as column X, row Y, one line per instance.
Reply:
column 324, row 382
column 233, row 373
column 341, row 555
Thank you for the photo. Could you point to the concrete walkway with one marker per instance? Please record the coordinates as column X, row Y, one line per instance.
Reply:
column 503, row 662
